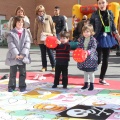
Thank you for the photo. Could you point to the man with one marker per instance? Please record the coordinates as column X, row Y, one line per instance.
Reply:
column 59, row 21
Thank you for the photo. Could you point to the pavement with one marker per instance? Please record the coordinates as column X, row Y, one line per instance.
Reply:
column 113, row 72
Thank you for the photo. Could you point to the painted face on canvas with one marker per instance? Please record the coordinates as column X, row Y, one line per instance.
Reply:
column 102, row 4
column 87, row 33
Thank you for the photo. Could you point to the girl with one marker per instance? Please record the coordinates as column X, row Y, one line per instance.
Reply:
column 103, row 22
column 18, row 54
column 89, row 44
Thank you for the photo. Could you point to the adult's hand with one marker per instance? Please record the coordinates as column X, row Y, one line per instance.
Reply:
column 35, row 42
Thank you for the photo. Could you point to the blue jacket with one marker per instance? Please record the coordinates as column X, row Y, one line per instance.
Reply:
column 91, row 62
column 97, row 24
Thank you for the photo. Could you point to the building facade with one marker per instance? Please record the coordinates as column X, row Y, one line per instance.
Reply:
column 7, row 7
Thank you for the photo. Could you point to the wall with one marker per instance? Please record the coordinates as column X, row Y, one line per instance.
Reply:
column 7, row 7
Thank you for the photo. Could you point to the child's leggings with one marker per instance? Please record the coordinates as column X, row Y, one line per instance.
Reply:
column 89, row 76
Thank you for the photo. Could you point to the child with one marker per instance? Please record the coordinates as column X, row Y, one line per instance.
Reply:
column 62, row 60
column 89, row 44
column 18, row 54
column 103, row 22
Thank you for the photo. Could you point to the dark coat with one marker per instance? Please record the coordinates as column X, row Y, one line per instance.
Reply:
column 91, row 62
column 97, row 24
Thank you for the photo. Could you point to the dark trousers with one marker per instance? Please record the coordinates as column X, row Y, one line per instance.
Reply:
column 58, row 70
column 22, row 76
column 103, row 55
column 43, row 50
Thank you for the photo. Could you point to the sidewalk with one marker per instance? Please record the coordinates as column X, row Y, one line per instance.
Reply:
column 113, row 71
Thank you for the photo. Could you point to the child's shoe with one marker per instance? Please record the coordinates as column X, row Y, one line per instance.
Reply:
column 22, row 89
column 65, row 86
column 85, row 86
column 36, row 77
column 10, row 89
column 91, row 87
column 54, row 86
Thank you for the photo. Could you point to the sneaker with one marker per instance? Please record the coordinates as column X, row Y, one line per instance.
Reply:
column 53, row 69
column 103, row 82
column 36, row 77
column 6, row 76
column 41, row 77
column 44, row 69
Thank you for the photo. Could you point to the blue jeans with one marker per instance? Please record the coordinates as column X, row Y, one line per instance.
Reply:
column 58, row 36
column 43, row 50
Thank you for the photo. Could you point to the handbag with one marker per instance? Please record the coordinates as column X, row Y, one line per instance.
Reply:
column 43, row 37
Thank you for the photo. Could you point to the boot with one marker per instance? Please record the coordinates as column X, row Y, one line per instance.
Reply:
column 85, row 85
column 91, row 86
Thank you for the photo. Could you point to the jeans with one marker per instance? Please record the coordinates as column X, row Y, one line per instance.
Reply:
column 43, row 50
column 22, row 76
column 58, row 36
column 103, row 55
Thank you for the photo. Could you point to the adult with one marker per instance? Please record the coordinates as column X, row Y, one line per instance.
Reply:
column 103, row 22
column 66, row 25
column 59, row 21
column 78, row 30
column 44, row 23
column 20, row 12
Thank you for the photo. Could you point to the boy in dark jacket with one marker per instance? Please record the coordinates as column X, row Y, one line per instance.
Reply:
column 62, row 60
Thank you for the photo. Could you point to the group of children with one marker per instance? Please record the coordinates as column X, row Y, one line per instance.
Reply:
column 94, row 43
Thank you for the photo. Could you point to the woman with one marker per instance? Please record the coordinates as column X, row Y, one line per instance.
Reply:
column 44, row 24
column 103, row 22
column 20, row 12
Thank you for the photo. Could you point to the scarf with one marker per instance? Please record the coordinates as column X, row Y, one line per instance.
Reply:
column 19, row 31
column 41, row 18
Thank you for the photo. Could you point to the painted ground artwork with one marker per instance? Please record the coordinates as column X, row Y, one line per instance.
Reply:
column 41, row 102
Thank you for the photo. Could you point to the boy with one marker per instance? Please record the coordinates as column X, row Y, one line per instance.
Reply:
column 62, row 60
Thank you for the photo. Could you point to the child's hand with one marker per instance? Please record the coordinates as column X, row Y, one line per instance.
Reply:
column 17, row 57
column 86, row 54
column 45, row 42
column 21, row 57
column 35, row 42
column 58, row 42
